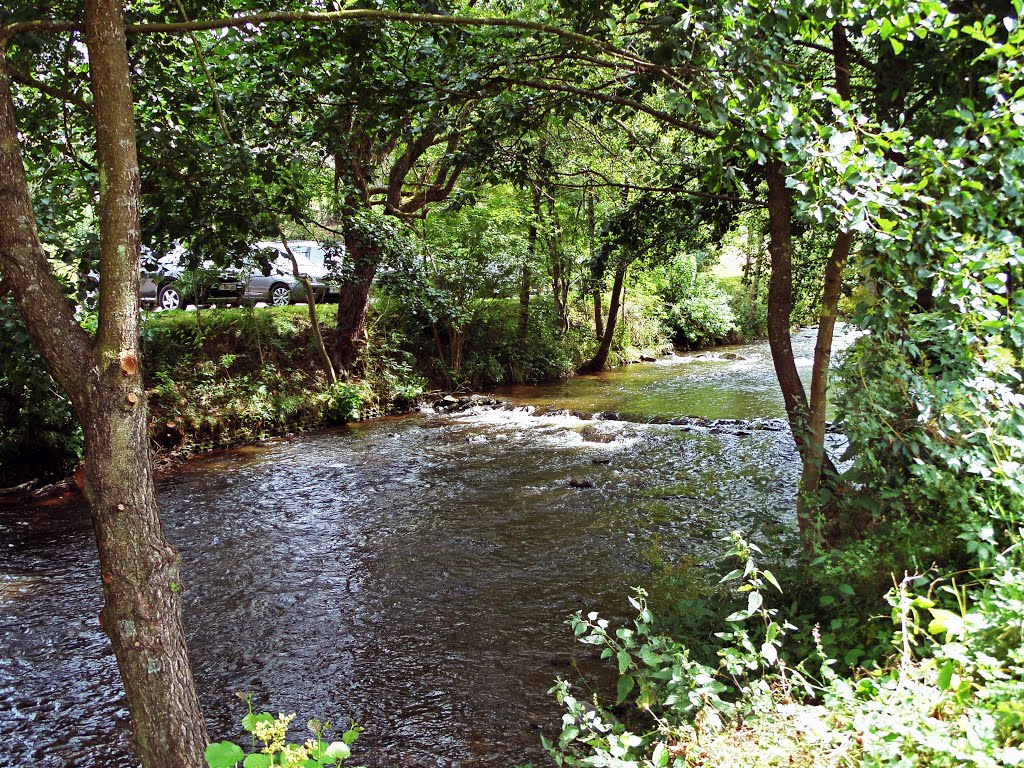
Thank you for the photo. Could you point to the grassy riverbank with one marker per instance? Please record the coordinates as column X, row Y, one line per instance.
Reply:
column 222, row 377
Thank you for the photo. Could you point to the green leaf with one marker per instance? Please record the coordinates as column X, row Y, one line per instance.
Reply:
column 660, row 756
column 754, row 602
column 624, row 660
column 770, row 578
column 223, row 754
column 350, row 736
column 734, row 574
column 946, row 675
column 626, row 684
column 249, row 721
column 897, row 46
column 946, row 621
column 258, row 760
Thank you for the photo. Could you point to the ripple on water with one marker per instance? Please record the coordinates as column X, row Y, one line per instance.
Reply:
column 414, row 575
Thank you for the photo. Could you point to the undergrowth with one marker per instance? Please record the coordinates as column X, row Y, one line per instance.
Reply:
column 950, row 692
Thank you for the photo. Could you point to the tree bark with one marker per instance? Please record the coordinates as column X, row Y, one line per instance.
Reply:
column 525, row 278
column 596, row 288
column 780, row 310
column 139, row 568
column 814, row 462
column 598, row 362
column 559, row 268
column 314, row 321
column 354, row 302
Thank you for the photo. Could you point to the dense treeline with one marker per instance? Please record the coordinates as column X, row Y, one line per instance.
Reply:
column 511, row 181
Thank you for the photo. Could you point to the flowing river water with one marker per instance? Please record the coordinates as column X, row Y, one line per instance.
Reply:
column 412, row 574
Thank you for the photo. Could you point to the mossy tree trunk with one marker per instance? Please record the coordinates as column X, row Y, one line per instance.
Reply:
column 103, row 379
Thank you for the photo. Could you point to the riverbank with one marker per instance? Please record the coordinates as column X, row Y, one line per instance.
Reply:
column 224, row 378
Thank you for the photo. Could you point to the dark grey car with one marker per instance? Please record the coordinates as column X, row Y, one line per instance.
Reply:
column 168, row 283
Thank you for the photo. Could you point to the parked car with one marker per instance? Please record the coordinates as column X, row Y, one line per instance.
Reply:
column 168, row 282
column 272, row 279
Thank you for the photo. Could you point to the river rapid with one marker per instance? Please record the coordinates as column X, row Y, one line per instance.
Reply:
column 412, row 574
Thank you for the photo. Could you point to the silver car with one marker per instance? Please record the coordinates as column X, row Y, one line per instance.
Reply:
column 272, row 280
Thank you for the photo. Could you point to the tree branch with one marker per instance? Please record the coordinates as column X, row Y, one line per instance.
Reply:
column 610, row 99
column 311, row 17
column 24, row 78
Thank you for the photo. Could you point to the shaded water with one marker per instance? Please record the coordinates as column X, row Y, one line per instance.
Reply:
column 412, row 574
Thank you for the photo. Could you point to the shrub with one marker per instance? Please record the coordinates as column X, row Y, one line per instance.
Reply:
column 39, row 434
column 274, row 749
column 951, row 695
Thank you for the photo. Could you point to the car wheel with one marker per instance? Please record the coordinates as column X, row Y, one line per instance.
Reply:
column 280, row 295
column 169, row 298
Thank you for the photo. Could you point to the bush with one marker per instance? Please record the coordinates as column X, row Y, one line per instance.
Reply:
column 39, row 434
column 697, row 311
column 951, row 696
column 702, row 319
column 271, row 733
column 935, row 428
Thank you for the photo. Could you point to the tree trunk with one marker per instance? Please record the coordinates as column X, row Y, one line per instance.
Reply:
column 525, row 279
column 353, row 303
column 139, row 568
column 523, row 331
column 754, row 265
column 780, row 308
column 592, row 252
column 598, row 362
column 314, row 321
column 559, row 272
column 814, row 463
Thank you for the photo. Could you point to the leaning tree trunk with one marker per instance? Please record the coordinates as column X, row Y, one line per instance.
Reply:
column 813, row 468
column 314, row 320
column 139, row 568
column 816, row 463
column 354, row 302
column 780, row 309
column 598, row 362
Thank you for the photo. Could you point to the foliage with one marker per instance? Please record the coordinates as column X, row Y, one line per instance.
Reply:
column 272, row 733
column 697, row 312
column 239, row 374
column 935, row 428
column 39, row 434
column 680, row 699
column 951, row 695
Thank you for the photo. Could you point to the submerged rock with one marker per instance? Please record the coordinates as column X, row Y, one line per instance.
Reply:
column 592, row 434
column 453, row 404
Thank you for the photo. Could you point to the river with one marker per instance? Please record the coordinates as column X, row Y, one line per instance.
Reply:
column 412, row 574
